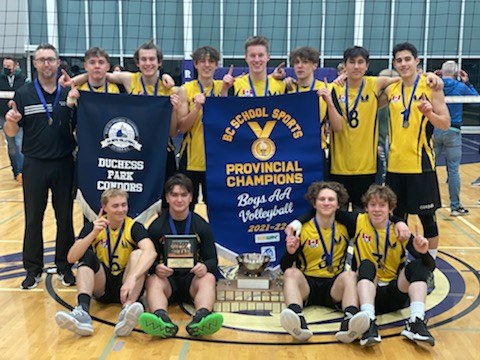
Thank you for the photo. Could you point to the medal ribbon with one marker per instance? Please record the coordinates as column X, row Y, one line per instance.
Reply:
column 311, row 86
column 173, row 228
column 355, row 104
column 253, row 89
column 328, row 256
column 90, row 87
column 43, row 101
column 145, row 92
column 117, row 242
column 377, row 241
column 406, row 112
column 202, row 90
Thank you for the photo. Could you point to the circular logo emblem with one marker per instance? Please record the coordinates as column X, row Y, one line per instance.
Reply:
column 121, row 135
column 263, row 149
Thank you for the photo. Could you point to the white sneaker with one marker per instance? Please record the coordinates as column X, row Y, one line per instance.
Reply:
column 290, row 321
column 353, row 328
column 77, row 321
column 128, row 318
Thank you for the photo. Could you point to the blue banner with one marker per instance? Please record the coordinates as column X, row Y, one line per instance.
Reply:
column 262, row 153
column 122, row 142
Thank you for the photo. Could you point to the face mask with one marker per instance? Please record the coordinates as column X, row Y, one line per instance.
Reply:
column 7, row 71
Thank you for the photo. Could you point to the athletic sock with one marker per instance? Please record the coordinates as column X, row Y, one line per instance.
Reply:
column 369, row 309
column 417, row 310
column 433, row 252
column 350, row 311
column 297, row 309
column 84, row 301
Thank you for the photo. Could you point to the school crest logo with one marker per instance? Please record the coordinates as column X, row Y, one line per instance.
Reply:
column 121, row 135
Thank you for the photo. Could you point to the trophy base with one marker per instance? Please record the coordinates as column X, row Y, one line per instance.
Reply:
column 253, row 282
column 231, row 298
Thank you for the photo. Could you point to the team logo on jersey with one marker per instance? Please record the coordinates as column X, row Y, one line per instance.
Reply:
column 396, row 98
column 121, row 135
column 364, row 98
column 342, row 98
column 366, row 238
column 247, row 93
column 313, row 243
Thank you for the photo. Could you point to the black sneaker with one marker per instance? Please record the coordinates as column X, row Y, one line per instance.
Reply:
column 66, row 277
column 417, row 331
column 31, row 281
column 430, row 283
column 371, row 337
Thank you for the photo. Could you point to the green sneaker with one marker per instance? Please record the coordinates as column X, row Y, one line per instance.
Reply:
column 153, row 325
column 207, row 325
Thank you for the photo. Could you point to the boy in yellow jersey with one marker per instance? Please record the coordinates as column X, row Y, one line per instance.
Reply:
column 256, row 82
column 97, row 64
column 114, row 254
column 192, row 152
column 385, row 282
column 415, row 110
column 315, row 271
column 353, row 150
column 305, row 62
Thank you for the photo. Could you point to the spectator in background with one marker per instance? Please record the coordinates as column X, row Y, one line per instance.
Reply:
column 11, row 78
column 117, row 68
column 449, row 142
column 341, row 68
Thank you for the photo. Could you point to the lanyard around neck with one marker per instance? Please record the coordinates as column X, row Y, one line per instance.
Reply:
column 253, row 88
column 406, row 111
column 92, row 89
column 377, row 242
column 311, row 86
column 355, row 104
column 145, row 92
column 117, row 242
column 202, row 89
column 328, row 256
column 188, row 222
column 44, row 102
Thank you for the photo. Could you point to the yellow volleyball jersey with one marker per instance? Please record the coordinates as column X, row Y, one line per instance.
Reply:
column 111, row 88
column 366, row 249
column 192, row 151
column 242, row 87
column 411, row 147
column 321, row 103
column 122, row 252
column 136, row 87
column 354, row 149
column 312, row 256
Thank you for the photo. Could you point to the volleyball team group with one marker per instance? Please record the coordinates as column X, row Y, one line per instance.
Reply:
column 353, row 252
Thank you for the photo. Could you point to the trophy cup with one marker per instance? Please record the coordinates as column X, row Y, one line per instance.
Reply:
column 250, row 272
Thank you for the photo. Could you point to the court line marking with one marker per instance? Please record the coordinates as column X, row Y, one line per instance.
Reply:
column 11, row 217
column 184, row 352
column 108, row 347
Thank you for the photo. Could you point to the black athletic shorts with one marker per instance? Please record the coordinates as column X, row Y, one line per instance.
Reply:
column 320, row 292
column 389, row 298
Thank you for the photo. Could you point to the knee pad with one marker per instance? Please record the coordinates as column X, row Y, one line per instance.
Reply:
column 367, row 270
column 90, row 260
column 430, row 227
column 416, row 271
